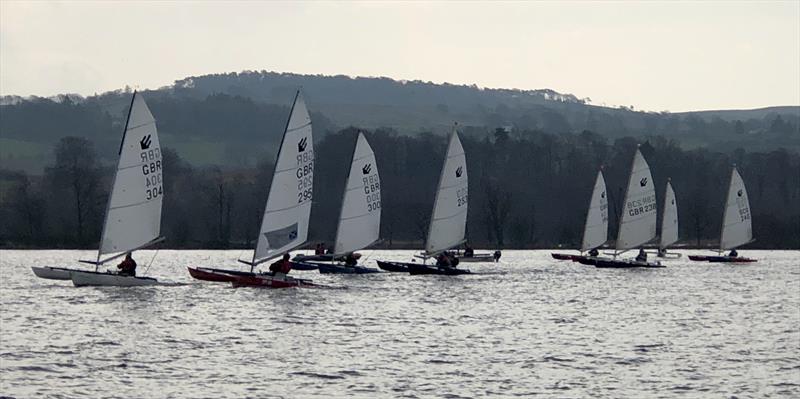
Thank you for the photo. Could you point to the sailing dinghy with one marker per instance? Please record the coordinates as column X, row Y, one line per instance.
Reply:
column 449, row 219
column 638, row 222
column 284, row 226
column 360, row 215
column 133, row 214
column 595, row 232
column 737, row 225
column 669, row 223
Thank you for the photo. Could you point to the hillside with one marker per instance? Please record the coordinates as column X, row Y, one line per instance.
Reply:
column 234, row 119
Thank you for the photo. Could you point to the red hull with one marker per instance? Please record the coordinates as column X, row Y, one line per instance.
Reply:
column 269, row 282
column 209, row 275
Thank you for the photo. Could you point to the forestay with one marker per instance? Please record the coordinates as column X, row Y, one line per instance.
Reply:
column 288, row 209
column 449, row 219
column 360, row 217
column 737, row 228
column 669, row 219
column 133, row 217
column 595, row 232
column 638, row 222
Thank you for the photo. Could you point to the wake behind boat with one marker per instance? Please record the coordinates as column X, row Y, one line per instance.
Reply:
column 449, row 218
column 737, row 225
column 133, row 214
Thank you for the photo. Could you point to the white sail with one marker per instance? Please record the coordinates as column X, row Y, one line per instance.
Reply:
column 449, row 219
column 133, row 218
column 638, row 222
column 737, row 227
column 360, row 218
column 669, row 219
column 595, row 232
column 288, row 209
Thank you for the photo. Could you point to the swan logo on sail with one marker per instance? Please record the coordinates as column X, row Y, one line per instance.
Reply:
column 603, row 194
column 739, row 193
column 301, row 145
column 145, row 142
column 643, row 182
column 459, row 171
column 366, row 169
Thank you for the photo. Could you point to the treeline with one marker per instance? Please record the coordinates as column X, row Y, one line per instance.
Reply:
column 528, row 189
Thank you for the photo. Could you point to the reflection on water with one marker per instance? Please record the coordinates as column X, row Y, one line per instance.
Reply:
column 529, row 325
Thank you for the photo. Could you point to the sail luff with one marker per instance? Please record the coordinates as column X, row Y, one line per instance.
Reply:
column 133, row 215
column 360, row 213
column 737, row 228
column 595, row 232
column 284, row 225
column 448, row 219
column 638, row 221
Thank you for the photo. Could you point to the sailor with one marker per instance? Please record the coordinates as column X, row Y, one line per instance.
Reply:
column 642, row 257
column 662, row 252
column 128, row 266
column 497, row 255
column 281, row 267
column 319, row 249
column 468, row 251
column 733, row 253
column 594, row 252
column 443, row 260
column 350, row 260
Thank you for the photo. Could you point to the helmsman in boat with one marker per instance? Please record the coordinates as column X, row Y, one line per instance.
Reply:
column 282, row 267
column 128, row 266
column 642, row 256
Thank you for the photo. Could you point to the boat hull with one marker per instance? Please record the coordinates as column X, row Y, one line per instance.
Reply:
column 395, row 267
column 721, row 259
column 99, row 279
column 341, row 269
column 267, row 281
column 624, row 264
column 303, row 265
column 564, row 256
column 417, row 269
column 477, row 258
column 217, row 275
column 52, row 273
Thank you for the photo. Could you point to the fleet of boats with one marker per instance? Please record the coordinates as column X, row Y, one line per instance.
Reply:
column 133, row 216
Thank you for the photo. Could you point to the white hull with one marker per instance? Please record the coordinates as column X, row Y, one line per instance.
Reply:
column 52, row 273
column 82, row 279
column 476, row 258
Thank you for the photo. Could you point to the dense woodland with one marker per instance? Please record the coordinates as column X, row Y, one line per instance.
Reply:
column 532, row 156
column 527, row 190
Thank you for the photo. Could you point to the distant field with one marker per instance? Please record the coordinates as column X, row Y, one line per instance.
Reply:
column 24, row 155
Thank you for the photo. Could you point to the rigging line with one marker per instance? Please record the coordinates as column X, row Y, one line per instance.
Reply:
column 151, row 262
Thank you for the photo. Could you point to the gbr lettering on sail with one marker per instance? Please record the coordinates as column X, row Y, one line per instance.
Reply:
column 150, row 159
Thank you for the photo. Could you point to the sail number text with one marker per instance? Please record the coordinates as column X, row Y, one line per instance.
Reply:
column 462, row 195
column 372, row 192
column 641, row 206
column 744, row 210
column 151, row 170
column 305, row 176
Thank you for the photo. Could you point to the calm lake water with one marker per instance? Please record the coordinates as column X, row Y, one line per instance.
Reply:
column 527, row 326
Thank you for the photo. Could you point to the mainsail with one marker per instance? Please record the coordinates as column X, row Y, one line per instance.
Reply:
column 133, row 217
column 288, row 209
column 360, row 218
column 449, row 219
column 737, row 227
column 669, row 219
column 638, row 222
column 595, row 232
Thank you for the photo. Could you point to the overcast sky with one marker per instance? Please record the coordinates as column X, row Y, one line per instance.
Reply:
column 652, row 55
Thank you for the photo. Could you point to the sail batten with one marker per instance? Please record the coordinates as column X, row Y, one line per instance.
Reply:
column 449, row 218
column 360, row 215
column 595, row 232
column 638, row 222
column 133, row 213
column 737, row 228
